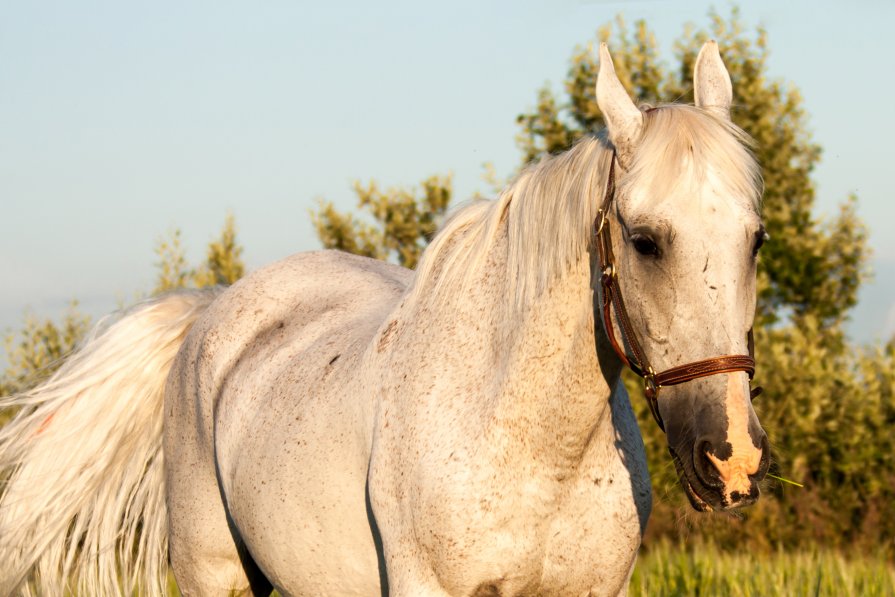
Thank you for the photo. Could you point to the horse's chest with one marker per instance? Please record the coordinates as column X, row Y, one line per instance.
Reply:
column 593, row 540
column 581, row 541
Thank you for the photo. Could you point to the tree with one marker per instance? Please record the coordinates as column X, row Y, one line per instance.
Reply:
column 811, row 266
column 172, row 269
column 405, row 222
column 223, row 262
column 828, row 406
column 40, row 347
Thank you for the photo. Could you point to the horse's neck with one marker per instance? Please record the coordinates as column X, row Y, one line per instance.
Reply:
column 543, row 374
column 554, row 381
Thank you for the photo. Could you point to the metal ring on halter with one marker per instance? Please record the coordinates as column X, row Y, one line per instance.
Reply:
column 602, row 217
column 649, row 382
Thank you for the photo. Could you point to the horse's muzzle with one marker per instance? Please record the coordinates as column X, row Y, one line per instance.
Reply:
column 711, row 484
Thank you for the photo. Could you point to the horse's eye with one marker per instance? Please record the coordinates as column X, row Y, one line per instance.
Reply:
column 761, row 235
column 645, row 245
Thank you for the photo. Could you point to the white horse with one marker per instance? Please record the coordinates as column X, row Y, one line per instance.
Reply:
column 334, row 425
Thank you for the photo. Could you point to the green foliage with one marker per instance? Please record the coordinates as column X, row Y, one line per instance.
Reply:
column 553, row 126
column 37, row 350
column 172, row 268
column 673, row 571
column 827, row 406
column 810, row 267
column 405, row 222
column 223, row 263
column 828, row 410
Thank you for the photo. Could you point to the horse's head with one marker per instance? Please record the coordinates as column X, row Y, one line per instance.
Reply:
column 685, row 233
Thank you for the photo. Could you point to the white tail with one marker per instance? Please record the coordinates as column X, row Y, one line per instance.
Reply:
column 84, row 503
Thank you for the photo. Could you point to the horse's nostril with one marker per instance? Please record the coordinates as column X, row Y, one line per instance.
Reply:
column 739, row 499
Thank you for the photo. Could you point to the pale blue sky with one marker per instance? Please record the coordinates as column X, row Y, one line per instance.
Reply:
column 120, row 121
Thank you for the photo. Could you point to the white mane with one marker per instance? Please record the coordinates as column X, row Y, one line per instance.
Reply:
column 548, row 212
column 671, row 133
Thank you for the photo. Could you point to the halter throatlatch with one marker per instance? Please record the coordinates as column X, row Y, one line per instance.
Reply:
column 637, row 361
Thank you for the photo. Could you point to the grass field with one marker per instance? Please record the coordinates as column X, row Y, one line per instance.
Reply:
column 669, row 571
column 666, row 571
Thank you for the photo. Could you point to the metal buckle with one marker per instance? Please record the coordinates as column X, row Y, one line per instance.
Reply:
column 651, row 391
column 650, row 387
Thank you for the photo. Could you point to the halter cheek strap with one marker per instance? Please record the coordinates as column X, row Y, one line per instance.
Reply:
column 637, row 361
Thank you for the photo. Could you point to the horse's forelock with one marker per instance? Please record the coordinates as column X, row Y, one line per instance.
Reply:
column 681, row 144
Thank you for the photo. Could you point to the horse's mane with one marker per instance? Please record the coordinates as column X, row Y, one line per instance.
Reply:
column 548, row 211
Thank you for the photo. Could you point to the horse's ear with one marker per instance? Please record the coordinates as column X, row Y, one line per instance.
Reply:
column 711, row 82
column 623, row 120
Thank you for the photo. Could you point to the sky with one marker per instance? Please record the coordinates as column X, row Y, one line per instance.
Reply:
column 121, row 121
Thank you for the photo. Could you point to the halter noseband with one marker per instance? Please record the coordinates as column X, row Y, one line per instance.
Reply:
column 637, row 362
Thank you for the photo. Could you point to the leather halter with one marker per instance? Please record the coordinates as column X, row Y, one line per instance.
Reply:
column 637, row 361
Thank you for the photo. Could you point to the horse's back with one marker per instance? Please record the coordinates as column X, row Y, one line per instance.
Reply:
column 269, row 378
column 285, row 307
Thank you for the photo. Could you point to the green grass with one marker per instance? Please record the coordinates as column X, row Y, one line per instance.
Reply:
column 665, row 570
column 668, row 571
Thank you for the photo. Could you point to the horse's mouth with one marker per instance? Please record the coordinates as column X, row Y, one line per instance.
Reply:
column 698, row 503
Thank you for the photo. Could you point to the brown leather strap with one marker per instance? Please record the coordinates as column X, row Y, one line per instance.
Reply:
column 713, row 366
column 637, row 362
column 611, row 294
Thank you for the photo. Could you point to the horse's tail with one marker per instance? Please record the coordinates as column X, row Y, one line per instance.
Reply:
column 83, row 509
